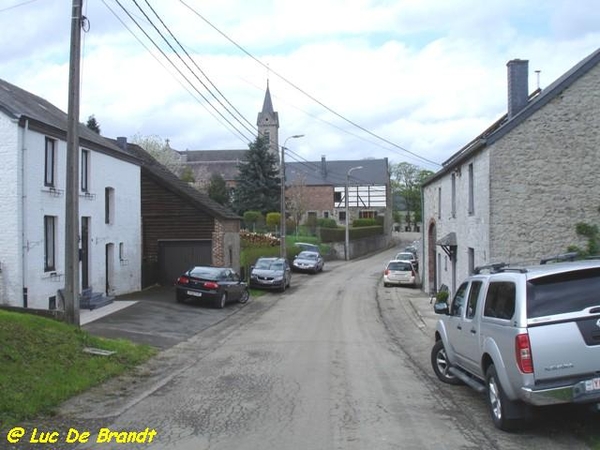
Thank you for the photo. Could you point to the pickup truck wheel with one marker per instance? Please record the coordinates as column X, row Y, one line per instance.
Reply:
column 497, row 401
column 440, row 364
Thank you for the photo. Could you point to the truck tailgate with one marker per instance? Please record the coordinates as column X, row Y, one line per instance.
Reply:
column 566, row 348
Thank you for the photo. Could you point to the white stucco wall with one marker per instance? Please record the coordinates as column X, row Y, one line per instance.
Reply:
column 10, row 208
column 40, row 201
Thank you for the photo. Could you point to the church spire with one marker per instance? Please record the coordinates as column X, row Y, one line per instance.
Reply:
column 267, row 103
column 268, row 122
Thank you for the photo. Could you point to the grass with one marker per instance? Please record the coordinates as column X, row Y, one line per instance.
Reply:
column 43, row 364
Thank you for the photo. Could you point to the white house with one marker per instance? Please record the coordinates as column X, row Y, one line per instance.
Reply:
column 515, row 193
column 32, row 242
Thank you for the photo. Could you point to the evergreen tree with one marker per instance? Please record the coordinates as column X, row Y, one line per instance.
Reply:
column 93, row 124
column 217, row 189
column 257, row 185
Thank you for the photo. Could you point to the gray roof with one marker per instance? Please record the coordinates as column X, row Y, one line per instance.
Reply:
column 42, row 116
column 163, row 176
column 503, row 126
column 333, row 173
column 214, row 155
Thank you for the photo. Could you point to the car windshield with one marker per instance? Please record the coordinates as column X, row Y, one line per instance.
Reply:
column 406, row 256
column 399, row 266
column 307, row 255
column 269, row 264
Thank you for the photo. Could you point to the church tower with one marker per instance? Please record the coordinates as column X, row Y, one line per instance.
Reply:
column 268, row 123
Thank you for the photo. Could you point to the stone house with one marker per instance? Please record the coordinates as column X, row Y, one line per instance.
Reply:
column 33, row 150
column 515, row 192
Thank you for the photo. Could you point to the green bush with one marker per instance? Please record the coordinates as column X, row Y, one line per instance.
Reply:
column 273, row 221
column 327, row 223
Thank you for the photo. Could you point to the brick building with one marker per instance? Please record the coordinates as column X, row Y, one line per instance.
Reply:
column 515, row 192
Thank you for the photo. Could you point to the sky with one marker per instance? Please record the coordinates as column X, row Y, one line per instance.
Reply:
column 408, row 80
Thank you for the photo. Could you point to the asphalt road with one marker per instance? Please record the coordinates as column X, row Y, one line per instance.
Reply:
column 336, row 362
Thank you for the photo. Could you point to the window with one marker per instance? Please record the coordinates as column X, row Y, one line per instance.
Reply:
column 326, row 214
column 49, row 243
column 367, row 214
column 85, row 168
column 459, row 300
column 500, row 300
column 121, row 252
column 50, row 162
column 471, row 191
column 439, row 203
column 453, row 195
column 267, row 135
column 342, row 216
column 337, row 196
column 109, row 205
column 471, row 255
column 473, row 296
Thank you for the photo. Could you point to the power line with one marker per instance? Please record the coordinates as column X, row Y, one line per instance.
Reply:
column 180, row 72
column 305, row 93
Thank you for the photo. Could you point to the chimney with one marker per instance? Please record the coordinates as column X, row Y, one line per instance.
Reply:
column 323, row 167
column 122, row 143
column 518, row 86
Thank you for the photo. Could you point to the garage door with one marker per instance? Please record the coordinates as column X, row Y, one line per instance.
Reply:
column 175, row 257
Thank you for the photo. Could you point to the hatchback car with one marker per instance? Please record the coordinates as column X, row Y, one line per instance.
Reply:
column 271, row 273
column 308, row 262
column 408, row 256
column 218, row 285
column 399, row 273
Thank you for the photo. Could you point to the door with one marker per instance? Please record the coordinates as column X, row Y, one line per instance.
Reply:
column 468, row 339
column 109, row 267
column 85, row 252
column 175, row 257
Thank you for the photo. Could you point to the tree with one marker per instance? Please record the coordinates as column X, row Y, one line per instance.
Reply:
column 217, row 189
column 160, row 150
column 273, row 221
column 257, row 184
column 92, row 124
column 187, row 175
column 407, row 180
column 296, row 200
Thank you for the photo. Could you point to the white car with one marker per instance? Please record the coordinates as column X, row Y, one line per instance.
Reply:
column 399, row 273
column 307, row 261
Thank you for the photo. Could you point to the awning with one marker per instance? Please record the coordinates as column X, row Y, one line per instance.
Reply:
column 448, row 244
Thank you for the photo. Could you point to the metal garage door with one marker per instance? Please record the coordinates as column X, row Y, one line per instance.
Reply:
column 175, row 257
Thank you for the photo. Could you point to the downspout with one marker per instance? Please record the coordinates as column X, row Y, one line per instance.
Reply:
column 422, row 271
column 24, row 244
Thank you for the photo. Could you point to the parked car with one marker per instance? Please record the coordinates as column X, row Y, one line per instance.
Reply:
column 218, row 285
column 306, row 246
column 308, row 261
column 399, row 273
column 524, row 336
column 408, row 256
column 271, row 273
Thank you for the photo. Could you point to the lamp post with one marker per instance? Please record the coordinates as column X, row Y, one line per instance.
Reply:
column 347, row 243
column 282, row 252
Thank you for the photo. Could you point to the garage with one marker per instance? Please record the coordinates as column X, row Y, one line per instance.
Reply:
column 175, row 257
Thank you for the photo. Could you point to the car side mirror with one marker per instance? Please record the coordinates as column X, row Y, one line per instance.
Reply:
column 441, row 308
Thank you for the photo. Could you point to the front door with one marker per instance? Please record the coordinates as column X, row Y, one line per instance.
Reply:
column 84, row 254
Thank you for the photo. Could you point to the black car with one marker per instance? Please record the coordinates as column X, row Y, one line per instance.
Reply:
column 271, row 273
column 218, row 285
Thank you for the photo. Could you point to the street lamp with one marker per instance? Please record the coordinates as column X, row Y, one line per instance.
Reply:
column 282, row 175
column 347, row 243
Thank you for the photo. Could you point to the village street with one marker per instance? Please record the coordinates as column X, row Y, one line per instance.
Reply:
column 336, row 362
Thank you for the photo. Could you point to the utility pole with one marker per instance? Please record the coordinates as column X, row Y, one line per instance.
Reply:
column 71, row 292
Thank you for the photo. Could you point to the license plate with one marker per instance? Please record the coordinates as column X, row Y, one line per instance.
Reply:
column 592, row 385
column 194, row 293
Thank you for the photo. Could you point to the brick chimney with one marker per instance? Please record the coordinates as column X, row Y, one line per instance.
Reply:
column 518, row 86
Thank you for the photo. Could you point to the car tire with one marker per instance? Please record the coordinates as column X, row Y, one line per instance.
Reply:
column 441, row 366
column 498, row 403
column 245, row 296
column 221, row 301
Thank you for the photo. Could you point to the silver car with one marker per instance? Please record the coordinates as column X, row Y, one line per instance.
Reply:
column 308, row 262
column 399, row 273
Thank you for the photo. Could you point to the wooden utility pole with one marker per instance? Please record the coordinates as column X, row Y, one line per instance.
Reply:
column 71, row 292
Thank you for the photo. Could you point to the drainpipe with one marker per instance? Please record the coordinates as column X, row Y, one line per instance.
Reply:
column 23, row 214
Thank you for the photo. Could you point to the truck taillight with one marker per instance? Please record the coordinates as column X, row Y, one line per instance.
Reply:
column 523, row 353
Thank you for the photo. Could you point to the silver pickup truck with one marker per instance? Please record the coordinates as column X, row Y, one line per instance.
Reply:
column 525, row 336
